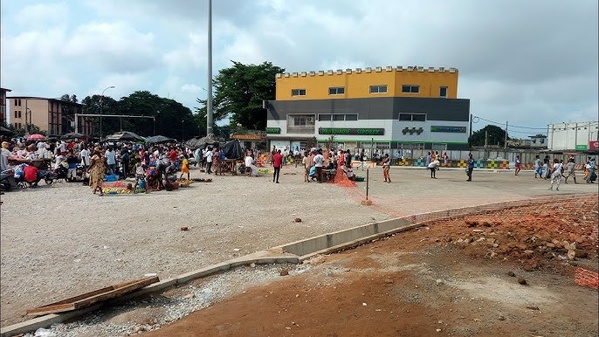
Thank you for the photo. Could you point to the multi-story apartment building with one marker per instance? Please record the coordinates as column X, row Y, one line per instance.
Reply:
column 3, row 110
column 54, row 116
column 390, row 107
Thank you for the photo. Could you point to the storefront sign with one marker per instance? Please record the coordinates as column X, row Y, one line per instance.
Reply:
column 594, row 145
column 581, row 147
column 451, row 129
column 276, row 131
column 352, row 131
column 246, row 137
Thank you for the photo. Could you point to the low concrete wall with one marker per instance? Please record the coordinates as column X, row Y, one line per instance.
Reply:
column 323, row 242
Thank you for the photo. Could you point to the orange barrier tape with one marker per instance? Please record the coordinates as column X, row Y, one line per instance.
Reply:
column 586, row 278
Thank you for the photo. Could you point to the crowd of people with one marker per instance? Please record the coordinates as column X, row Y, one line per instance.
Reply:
column 150, row 165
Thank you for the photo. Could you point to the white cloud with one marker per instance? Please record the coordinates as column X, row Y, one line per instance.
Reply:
column 531, row 62
column 112, row 47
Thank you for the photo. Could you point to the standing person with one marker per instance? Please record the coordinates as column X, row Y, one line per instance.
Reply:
column 362, row 159
column 386, row 161
column 184, row 166
column 318, row 164
column 4, row 154
column 546, row 168
column 277, row 161
column 433, row 166
column 570, row 170
column 111, row 160
column 196, row 155
column 517, row 165
column 445, row 159
column 96, row 171
column 427, row 160
column 125, row 159
column 72, row 162
column 208, row 157
column 538, row 167
column 591, row 170
column 85, row 157
column 470, row 167
column 556, row 176
column 347, row 158
column 306, row 164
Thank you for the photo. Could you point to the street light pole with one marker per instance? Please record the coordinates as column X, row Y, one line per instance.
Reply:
column 27, row 110
column 101, row 102
column 209, row 103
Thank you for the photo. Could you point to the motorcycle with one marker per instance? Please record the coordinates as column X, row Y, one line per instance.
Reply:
column 7, row 180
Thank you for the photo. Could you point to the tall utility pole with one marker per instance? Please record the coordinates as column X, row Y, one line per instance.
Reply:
column 209, row 103
column 505, row 140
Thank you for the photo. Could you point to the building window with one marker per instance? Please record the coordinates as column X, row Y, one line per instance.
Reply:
column 17, row 102
column 443, row 92
column 410, row 89
column 337, row 117
column 298, row 92
column 417, row 117
column 20, row 114
column 336, row 90
column 16, row 114
column 378, row 89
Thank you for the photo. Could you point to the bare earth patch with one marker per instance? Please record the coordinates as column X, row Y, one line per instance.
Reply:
column 439, row 280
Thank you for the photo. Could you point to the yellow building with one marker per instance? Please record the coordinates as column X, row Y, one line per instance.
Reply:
column 364, row 83
column 381, row 107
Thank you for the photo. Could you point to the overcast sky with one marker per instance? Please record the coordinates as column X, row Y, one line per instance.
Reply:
column 530, row 63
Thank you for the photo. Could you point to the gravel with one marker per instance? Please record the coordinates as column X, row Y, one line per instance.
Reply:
column 132, row 317
column 61, row 240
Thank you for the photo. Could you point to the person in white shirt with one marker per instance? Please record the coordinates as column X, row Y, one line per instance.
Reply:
column 85, row 157
column 209, row 160
column 318, row 164
column 249, row 163
column 556, row 176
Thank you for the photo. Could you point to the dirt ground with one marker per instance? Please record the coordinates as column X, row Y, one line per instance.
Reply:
column 509, row 273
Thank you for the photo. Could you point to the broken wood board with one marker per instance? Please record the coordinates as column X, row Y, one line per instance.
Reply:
column 88, row 299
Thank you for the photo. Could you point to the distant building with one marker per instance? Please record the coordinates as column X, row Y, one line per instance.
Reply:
column 3, row 117
column 577, row 136
column 52, row 115
column 382, row 107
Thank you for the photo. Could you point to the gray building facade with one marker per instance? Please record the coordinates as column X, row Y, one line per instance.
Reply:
column 385, row 122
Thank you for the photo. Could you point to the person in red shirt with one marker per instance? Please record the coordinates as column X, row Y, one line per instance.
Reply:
column 30, row 174
column 277, row 161
column 172, row 155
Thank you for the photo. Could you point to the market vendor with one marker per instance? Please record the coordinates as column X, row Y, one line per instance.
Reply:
column 4, row 154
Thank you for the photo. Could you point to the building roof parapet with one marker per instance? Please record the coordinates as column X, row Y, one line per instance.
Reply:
column 379, row 69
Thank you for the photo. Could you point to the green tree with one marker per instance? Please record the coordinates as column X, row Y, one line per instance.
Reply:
column 239, row 93
column 171, row 118
column 495, row 136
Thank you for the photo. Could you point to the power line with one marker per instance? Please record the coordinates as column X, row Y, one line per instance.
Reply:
column 511, row 126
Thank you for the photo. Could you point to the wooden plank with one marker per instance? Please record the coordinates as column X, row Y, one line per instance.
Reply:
column 93, row 297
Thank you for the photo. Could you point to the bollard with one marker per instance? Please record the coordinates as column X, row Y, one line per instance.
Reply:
column 367, row 202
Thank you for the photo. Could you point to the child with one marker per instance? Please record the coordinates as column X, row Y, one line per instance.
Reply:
column 184, row 167
column 140, row 177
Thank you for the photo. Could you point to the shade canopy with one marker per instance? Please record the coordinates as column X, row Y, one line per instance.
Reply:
column 126, row 136
column 160, row 140
column 36, row 136
column 72, row 135
column 6, row 131
column 201, row 142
